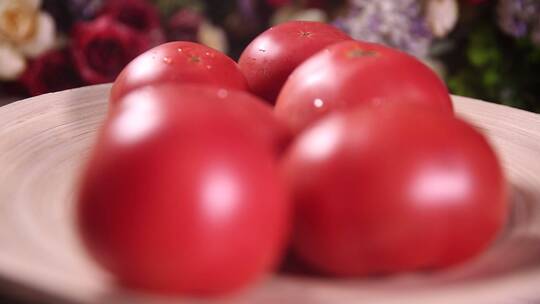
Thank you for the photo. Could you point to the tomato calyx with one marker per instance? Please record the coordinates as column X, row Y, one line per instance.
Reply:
column 357, row 52
column 194, row 59
column 305, row 34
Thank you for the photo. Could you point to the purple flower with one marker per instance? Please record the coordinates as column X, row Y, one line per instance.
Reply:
column 396, row 23
column 520, row 18
column 254, row 13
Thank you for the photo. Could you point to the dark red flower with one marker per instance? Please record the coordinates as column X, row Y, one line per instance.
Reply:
column 139, row 15
column 51, row 72
column 317, row 3
column 103, row 47
column 278, row 3
column 184, row 25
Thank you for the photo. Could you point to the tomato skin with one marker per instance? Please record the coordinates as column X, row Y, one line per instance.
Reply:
column 179, row 62
column 391, row 189
column 179, row 199
column 253, row 113
column 271, row 57
column 353, row 73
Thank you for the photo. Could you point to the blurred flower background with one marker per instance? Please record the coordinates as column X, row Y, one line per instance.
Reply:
column 488, row 49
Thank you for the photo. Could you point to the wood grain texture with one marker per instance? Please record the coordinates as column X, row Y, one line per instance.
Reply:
column 43, row 141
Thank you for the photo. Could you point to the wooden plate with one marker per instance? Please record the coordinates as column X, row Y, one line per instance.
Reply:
column 44, row 139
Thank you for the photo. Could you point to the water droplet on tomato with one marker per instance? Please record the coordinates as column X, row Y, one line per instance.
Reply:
column 222, row 93
column 377, row 101
column 318, row 103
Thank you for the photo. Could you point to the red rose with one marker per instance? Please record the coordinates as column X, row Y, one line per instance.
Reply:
column 317, row 3
column 139, row 15
column 184, row 25
column 103, row 47
column 50, row 72
column 278, row 3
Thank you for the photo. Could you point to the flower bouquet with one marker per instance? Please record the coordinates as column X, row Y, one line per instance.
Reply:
column 52, row 45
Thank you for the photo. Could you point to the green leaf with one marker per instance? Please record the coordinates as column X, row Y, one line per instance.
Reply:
column 490, row 77
column 483, row 49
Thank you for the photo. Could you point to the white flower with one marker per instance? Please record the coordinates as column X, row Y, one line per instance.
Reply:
column 311, row 14
column 25, row 31
column 18, row 19
column 441, row 16
column 43, row 39
column 288, row 13
column 213, row 37
column 12, row 63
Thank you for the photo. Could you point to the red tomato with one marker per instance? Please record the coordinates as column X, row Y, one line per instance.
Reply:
column 273, row 55
column 393, row 188
column 179, row 196
column 256, row 116
column 352, row 73
column 179, row 62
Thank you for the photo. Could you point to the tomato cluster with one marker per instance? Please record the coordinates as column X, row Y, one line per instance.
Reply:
column 197, row 185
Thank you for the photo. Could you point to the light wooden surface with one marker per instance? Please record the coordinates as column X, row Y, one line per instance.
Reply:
column 44, row 139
